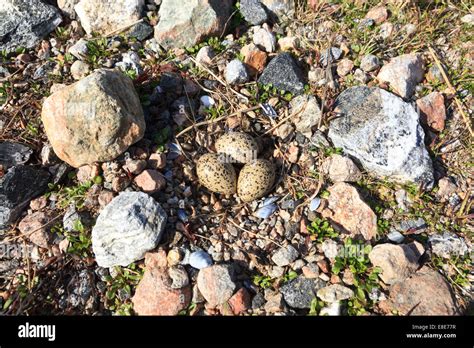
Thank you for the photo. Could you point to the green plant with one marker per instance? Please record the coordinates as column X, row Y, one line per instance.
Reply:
column 73, row 195
column 161, row 138
column 188, row 310
column 354, row 257
column 96, row 48
column 289, row 276
column 79, row 238
column 214, row 112
column 262, row 281
column 120, row 286
column 321, row 229
column 315, row 307
column 329, row 151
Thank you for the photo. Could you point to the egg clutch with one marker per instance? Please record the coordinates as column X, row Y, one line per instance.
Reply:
column 217, row 173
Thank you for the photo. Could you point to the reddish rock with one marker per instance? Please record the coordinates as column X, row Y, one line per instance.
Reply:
column 36, row 227
column 432, row 110
column 397, row 262
column 350, row 212
column 425, row 293
column 157, row 161
column 256, row 60
column 344, row 67
column 323, row 266
column 105, row 196
column 38, row 203
column 341, row 168
column 87, row 172
column 215, row 284
column 150, row 181
column 378, row 14
column 154, row 294
column 240, row 301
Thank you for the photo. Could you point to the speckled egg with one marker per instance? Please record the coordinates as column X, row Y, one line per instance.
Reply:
column 255, row 180
column 215, row 174
column 240, row 147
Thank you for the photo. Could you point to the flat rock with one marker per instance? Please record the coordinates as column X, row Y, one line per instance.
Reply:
column 397, row 262
column 129, row 226
column 12, row 154
column 95, row 119
column 382, row 132
column 283, row 73
column 425, row 293
column 25, row 23
column 350, row 213
column 156, row 295
column 403, row 73
column 307, row 113
column 104, row 17
column 187, row 22
column 335, row 293
column 215, row 284
column 300, row 292
column 18, row 187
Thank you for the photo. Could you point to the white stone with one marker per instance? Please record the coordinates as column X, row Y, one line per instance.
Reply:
column 129, row 226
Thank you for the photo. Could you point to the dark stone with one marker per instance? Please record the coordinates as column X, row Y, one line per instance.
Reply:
column 258, row 300
column 24, row 23
column 171, row 82
column 300, row 292
column 283, row 73
column 140, row 31
column 17, row 187
column 12, row 154
column 253, row 11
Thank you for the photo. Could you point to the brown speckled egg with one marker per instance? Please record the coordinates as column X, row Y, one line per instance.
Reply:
column 215, row 174
column 255, row 180
column 238, row 146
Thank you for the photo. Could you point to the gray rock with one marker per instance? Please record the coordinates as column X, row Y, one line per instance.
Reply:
column 140, row 31
column 330, row 55
column 129, row 226
column 447, row 245
column 200, row 259
column 71, row 218
column 283, row 73
column 25, row 23
column 334, row 293
column 300, row 292
column 236, row 72
column 286, row 255
column 383, row 133
column 403, row 73
column 179, row 277
column 67, row 7
column 79, row 49
column 281, row 9
column 307, row 113
column 187, row 22
column 253, row 11
column 12, row 154
column 369, row 63
column 416, row 226
column 17, row 188
column 258, row 301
